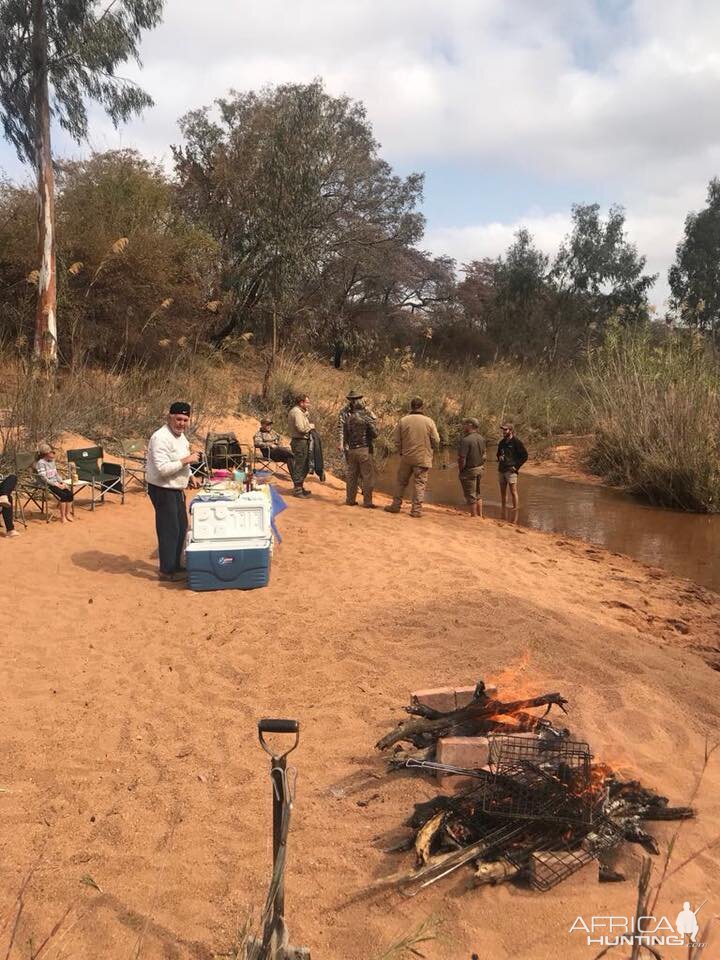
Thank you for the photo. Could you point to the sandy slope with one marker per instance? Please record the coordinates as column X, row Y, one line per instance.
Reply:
column 129, row 709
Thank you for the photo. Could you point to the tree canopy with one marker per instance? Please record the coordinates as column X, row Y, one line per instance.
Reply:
column 695, row 275
column 85, row 44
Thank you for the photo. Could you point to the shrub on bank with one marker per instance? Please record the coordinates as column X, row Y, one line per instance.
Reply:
column 655, row 407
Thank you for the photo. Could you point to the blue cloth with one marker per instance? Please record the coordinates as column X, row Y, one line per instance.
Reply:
column 277, row 505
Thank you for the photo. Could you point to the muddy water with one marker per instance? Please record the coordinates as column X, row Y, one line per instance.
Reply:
column 686, row 544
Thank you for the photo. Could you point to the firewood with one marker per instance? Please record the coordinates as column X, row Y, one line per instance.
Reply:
column 474, row 714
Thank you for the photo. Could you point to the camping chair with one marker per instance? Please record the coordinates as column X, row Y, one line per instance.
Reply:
column 30, row 488
column 93, row 471
column 265, row 462
column 134, row 460
column 223, row 452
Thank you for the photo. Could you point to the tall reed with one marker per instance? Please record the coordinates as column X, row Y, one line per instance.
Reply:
column 655, row 409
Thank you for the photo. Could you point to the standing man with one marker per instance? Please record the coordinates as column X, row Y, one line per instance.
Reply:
column 345, row 413
column 416, row 437
column 511, row 455
column 471, row 460
column 358, row 432
column 300, row 427
column 167, row 472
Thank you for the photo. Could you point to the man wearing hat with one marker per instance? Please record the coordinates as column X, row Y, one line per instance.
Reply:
column 267, row 441
column 354, row 397
column 167, row 472
column 358, row 429
column 471, row 460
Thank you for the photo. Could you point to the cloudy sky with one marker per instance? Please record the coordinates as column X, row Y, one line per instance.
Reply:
column 515, row 109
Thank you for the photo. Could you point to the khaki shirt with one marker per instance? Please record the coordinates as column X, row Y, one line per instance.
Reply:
column 299, row 423
column 416, row 437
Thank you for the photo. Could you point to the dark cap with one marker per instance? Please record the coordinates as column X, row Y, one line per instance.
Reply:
column 180, row 407
column 354, row 395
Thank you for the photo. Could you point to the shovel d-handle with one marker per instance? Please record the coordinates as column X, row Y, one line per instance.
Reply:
column 281, row 726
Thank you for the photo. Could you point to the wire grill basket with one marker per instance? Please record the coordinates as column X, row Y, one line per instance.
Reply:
column 536, row 779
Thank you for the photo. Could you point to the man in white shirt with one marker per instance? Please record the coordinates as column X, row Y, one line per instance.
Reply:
column 167, row 471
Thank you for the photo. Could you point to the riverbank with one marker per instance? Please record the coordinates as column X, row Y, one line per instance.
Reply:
column 131, row 757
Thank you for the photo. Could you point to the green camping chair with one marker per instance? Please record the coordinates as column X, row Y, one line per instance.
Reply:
column 101, row 477
column 30, row 488
column 134, row 460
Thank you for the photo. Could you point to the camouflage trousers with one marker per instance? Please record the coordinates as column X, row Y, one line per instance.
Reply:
column 359, row 464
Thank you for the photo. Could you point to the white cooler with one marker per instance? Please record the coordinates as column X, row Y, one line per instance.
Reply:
column 229, row 543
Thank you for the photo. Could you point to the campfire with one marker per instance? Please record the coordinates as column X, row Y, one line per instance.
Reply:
column 537, row 811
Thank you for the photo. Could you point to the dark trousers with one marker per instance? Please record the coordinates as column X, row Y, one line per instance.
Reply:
column 301, row 460
column 7, row 488
column 171, row 525
column 277, row 454
column 64, row 494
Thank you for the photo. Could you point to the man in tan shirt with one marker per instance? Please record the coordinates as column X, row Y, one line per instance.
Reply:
column 416, row 438
column 300, row 425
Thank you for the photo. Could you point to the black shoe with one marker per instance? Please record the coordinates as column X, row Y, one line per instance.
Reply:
column 353, row 504
column 370, row 506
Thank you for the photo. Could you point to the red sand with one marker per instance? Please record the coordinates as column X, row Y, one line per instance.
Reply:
column 129, row 740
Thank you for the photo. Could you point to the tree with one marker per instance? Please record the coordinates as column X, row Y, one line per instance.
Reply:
column 54, row 56
column 598, row 274
column 133, row 274
column 290, row 182
column 695, row 276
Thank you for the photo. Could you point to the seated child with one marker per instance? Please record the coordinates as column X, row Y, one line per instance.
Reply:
column 47, row 470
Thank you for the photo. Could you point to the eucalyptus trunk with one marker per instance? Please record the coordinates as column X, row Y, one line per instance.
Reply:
column 45, row 347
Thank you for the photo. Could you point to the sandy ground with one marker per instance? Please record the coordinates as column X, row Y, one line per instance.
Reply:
column 129, row 746
column 564, row 460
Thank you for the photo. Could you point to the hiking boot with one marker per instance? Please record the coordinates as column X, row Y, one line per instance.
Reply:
column 351, row 504
column 370, row 506
column 391, row 508
column 305, row 493
column 298, row 492
column 415, row 513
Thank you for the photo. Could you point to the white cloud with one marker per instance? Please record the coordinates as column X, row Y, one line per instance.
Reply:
column 621, row 95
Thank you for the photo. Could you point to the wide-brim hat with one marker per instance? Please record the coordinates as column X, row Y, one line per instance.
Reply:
column 267, row 420
column 354, row 395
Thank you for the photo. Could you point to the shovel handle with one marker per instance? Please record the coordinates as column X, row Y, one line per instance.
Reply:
column 278, row 726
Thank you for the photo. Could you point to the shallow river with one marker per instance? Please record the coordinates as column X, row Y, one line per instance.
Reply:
column 686, row 544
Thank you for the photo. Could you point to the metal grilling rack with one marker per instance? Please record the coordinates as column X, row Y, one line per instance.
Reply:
column 552, row 866
column 536, row 779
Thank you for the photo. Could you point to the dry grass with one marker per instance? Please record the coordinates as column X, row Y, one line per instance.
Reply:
column 655, row 409
column 104, row 405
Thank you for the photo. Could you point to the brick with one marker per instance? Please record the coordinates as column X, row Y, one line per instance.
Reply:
column 440, row 698
column 541, row 860
column 470, row 752
column 463, row 695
